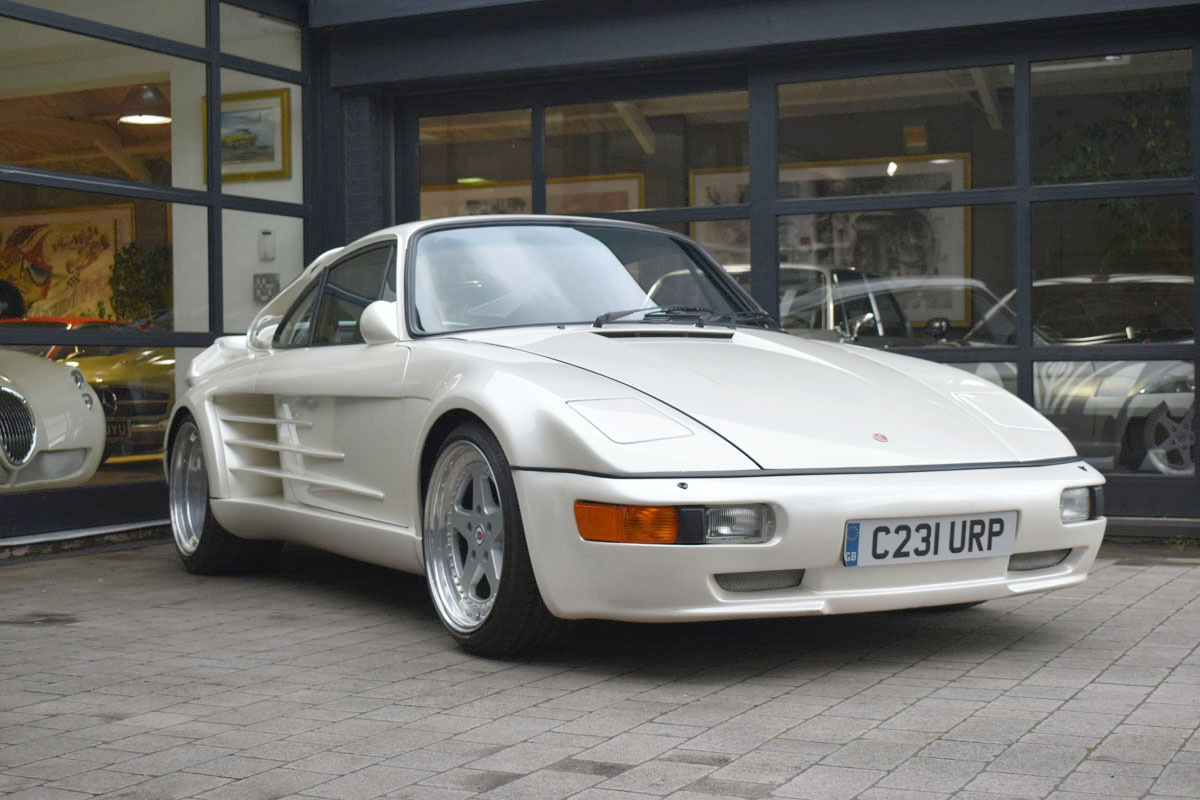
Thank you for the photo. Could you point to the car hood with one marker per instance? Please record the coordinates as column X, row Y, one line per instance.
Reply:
column 149, row 367
column 792, row 403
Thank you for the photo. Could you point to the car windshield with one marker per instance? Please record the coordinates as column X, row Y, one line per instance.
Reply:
column 489, row 276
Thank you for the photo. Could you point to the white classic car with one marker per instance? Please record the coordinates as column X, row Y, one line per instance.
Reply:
column 496, row 402
column 51, row 424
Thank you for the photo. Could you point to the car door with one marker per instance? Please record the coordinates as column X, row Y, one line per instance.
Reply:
column 343, row 395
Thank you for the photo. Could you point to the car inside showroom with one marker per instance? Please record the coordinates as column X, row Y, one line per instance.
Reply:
column 1010, row 190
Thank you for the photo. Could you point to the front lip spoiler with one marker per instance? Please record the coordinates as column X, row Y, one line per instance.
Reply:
column 775, row 473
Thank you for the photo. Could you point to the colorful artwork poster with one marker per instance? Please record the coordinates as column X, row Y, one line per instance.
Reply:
column 61, row 261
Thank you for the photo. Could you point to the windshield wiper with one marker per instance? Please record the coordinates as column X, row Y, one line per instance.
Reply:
column 761, row 317
column 668, row 312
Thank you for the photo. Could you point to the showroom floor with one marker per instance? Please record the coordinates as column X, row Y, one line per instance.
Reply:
column 123, row 676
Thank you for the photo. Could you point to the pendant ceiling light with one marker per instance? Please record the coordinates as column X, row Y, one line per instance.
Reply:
column 145, row 105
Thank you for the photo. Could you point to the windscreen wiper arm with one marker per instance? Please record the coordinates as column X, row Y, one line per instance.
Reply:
column 653, row 311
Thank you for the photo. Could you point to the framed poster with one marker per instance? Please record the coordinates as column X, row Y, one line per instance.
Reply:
column 909, row 243
column 581, row 195
column 256, row 136
column 61, row 260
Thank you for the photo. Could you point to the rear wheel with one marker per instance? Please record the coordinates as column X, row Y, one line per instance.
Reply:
column 203, row 545
column 476, row 557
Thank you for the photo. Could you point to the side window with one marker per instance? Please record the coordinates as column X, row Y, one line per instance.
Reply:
column 351, row 286
column 296, row 329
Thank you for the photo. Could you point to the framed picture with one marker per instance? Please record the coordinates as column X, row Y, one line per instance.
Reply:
column 256, row 136
column 909, row 243
column 61, row 260
column 581, row 195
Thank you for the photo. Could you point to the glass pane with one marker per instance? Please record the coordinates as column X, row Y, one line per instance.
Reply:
column 351, row 286
column 89, row 107
column 1110, row 271
column 928, row 276
column 1000, row 373
column 181, row 20
column 475, row 164
column 113, row 432
column 68, row 255
column 262, row 254
column 1123, row 416
column 1112, row 117
column 262, row 147
column 728, row 241
column 916, row 132
column 491, row 276
column 252, row 35
column 650, row 153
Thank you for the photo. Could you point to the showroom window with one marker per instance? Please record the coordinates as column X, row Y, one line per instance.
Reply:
column 476, row 164
column 116, row 262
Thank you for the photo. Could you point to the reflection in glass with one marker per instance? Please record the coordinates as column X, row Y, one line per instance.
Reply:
column 1110, row 271
column 181, row 20
column 931, row 131
column 136, row 390
column 67, row 100
column 476, row 164
column 1123, row 416
column 1112, row 117
column 70, row 258
column 656, row 152
column 924, row 276
column 250, row 34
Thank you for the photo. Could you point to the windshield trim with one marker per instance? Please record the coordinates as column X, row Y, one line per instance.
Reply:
column 723, row 281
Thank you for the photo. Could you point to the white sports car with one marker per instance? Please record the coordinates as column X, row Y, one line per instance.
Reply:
column 497, row 403
column 51, row 424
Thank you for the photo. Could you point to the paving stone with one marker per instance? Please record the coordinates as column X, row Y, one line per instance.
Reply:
column 1037, row 759
column 829, row 783
column 657, row 777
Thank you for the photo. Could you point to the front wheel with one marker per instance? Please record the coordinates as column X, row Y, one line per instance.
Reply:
column 203, row 545
column 476, row 557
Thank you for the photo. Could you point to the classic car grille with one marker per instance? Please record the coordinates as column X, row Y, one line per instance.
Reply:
column 17, row 431
column 121, row 402
column 760, row 581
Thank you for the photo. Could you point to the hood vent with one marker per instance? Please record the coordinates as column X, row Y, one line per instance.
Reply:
column 665, row 334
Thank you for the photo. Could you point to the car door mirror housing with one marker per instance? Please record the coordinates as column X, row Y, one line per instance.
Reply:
column 379, row 324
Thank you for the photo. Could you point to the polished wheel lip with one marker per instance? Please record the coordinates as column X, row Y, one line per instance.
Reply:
column 464, row 546
column 188, row 488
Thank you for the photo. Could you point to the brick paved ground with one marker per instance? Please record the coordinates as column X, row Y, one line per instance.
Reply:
column 122, row 676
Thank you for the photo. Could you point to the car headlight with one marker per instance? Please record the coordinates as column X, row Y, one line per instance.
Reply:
column 88, row 402
column 740, row 524
column 77, row 376
column 1075, row 505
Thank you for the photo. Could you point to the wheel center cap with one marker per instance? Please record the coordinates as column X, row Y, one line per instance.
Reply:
column 478, row 534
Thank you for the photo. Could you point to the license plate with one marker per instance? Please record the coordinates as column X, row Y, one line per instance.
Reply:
column 903, row 541
column 116, row 429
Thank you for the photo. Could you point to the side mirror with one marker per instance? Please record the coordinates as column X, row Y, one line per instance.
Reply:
column 262, row 332
column 866, row 319
column 937, row 327
column 379, row 324
column 265, row 335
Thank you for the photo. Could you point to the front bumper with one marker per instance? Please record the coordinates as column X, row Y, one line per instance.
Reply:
column 661, row 583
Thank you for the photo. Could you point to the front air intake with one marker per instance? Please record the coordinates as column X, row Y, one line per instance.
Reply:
column 769, row 581
column 17, row 430
column 1042, row 559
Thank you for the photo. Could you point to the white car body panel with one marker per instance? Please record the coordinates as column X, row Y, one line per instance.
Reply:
column 69, row 439
column 323, row 446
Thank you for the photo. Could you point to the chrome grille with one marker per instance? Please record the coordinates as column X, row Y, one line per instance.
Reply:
column 17, row 431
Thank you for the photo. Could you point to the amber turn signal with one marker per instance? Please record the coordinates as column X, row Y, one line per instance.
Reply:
column 599, row 522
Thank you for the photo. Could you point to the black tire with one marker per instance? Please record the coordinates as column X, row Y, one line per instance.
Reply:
column 204, row 547
column 516, row 619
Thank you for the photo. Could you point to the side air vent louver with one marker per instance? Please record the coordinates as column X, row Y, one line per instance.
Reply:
column 17, row 430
